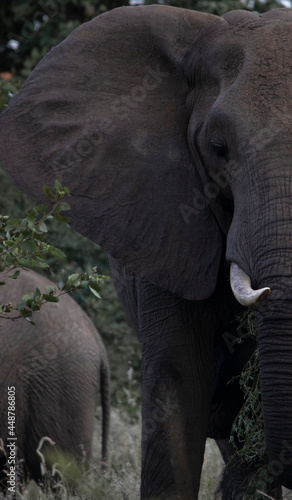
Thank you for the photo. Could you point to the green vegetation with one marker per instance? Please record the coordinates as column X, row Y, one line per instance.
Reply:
column 23, row 245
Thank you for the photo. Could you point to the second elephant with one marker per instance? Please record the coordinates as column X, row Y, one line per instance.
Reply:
column 56, row 370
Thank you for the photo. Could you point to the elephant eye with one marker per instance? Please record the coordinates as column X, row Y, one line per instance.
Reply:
column 221, row 150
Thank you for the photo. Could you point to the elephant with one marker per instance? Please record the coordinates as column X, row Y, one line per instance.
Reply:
column 173, row 130
column 51, row 375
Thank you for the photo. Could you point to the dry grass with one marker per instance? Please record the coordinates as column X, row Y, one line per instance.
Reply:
column 125, row 462
column 121, row 481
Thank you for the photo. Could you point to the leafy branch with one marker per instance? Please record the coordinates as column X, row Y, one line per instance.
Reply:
column 23, row 245
column 7, row 90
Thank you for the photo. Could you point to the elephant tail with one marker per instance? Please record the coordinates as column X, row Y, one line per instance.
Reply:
column 105, row 402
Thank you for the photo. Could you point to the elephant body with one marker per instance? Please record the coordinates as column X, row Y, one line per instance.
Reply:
column 56, row 369
column 175, row 141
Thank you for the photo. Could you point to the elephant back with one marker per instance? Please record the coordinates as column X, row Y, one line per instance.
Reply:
column 56, row 366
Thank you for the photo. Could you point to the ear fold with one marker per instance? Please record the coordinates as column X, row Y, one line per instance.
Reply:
column 105, row 112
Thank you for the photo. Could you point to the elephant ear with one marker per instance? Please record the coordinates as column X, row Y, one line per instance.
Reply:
column 105, row 113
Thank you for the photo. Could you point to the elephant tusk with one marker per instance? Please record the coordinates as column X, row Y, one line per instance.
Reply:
column 242, row 290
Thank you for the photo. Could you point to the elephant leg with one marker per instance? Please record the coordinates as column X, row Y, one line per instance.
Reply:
column 237, row 476
column 177, row 381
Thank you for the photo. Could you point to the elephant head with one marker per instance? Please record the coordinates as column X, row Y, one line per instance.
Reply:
column 173, row 131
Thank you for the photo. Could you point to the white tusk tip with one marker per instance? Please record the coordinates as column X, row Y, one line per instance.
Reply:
column 264, row 294
column 241, row 287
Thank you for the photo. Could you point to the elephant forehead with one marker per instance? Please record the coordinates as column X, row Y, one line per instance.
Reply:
column 257, row 54
column 267, row 69
column 252, row 19
column 266, row 47
column 271, row 59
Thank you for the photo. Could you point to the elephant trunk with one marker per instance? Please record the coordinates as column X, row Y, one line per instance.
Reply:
column 275, row 357
column 274, row 319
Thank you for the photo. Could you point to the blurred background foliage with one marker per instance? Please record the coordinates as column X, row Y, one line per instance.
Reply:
column 28, row 29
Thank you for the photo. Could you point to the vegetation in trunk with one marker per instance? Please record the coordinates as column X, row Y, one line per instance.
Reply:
column 247, row 434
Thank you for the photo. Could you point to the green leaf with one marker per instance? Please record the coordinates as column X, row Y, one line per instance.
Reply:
column 9, row 87
column 29, row 246
column 32, row 305
column 14, row 222
column 39, row 236
column 36, row 304
column 94, row 285
column 32, row 263
column 94, row 292
column 31, row 219
column 50, row 289
column 50, row 298
column 72, row 278
column 43, row 227
column 72, row 281
column 40, row 256
column 56, row 252
column 2, row 283
column 31, row 295
column 26, row 313
column 6, row 308
column 49, row 192
column 58, row 186
column 28, row 296
column 15, row 275
column 41, row 209
column 62, row 206
column 8, row 243
column 60, row 218
column 30, row 320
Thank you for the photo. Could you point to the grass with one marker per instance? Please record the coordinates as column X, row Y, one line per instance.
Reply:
column 122, row 480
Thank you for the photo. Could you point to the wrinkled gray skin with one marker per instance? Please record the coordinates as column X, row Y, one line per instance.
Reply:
column 173, row 130
column 58, row 367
